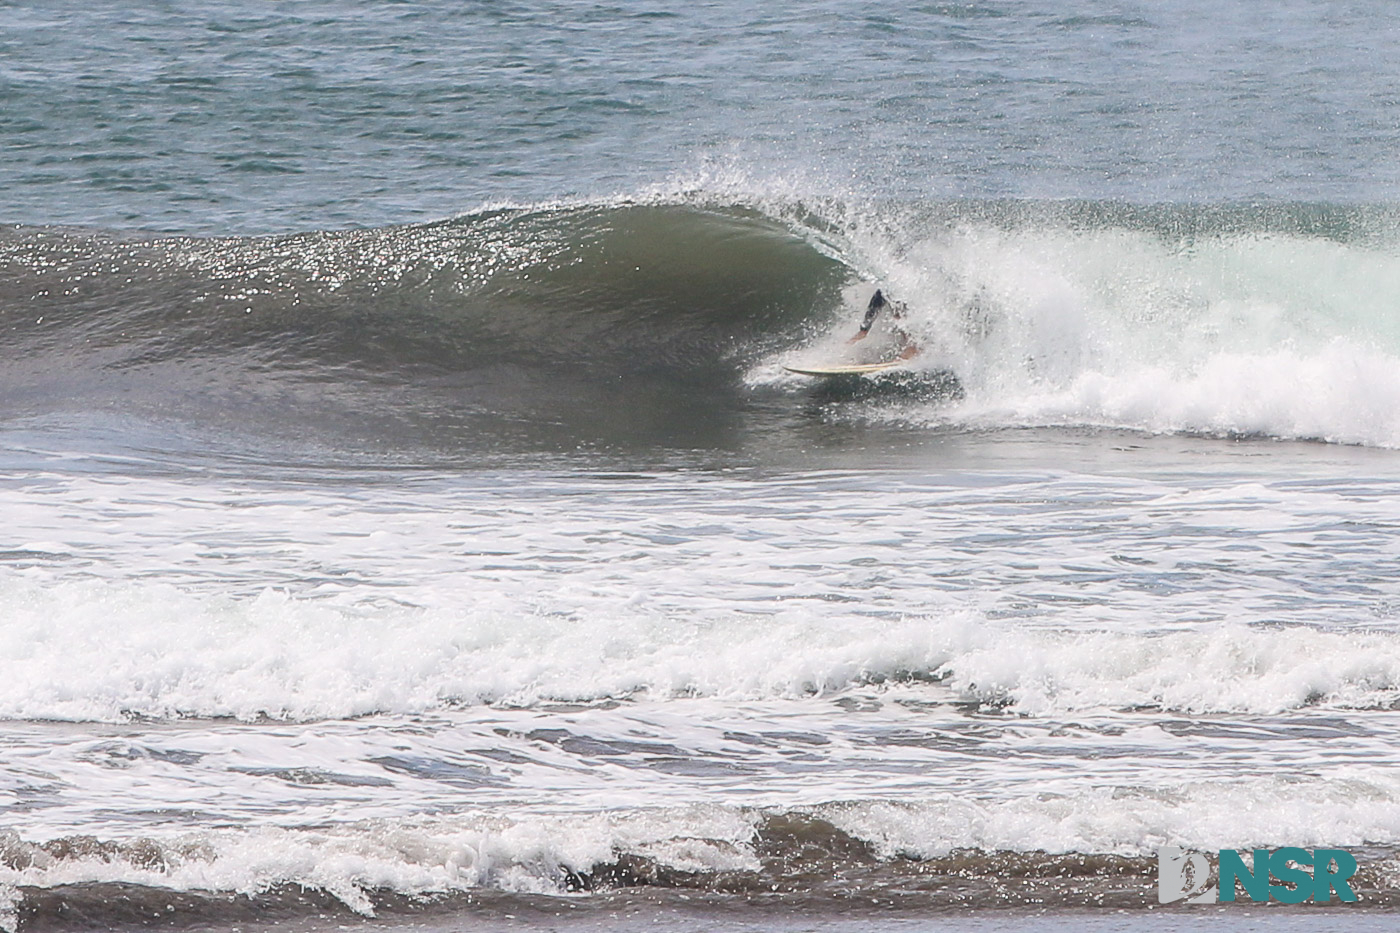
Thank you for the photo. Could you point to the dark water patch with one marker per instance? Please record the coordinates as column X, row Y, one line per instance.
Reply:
column 779, row 739
column 447, row 772
column 589, row 747
column 1277, row 728
column 315, row 776
column 649, row 910
column 115, row 906
column 696, row 767
column 118, row 754
column 25, row 557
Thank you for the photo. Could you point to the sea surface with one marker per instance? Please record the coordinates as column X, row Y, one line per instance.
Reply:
column 407, row 521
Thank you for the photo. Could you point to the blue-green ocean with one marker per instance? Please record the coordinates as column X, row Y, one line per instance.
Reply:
column 410, row 518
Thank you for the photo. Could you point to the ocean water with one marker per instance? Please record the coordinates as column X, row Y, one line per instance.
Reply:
column 407, row 514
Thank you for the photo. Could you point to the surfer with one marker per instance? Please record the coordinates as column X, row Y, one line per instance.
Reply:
column 878, row 302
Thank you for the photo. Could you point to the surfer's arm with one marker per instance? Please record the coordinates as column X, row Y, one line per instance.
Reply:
column 867, row 322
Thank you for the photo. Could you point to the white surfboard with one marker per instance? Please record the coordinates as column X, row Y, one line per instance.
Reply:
column 844, row 369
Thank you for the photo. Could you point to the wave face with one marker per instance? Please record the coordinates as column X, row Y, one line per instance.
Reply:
column 663, row 322
column 586, row 322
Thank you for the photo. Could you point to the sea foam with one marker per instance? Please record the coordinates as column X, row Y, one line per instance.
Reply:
column 1146, row 321
column 110, row 651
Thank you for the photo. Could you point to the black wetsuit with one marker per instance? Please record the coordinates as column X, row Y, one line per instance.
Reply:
column 878, row 304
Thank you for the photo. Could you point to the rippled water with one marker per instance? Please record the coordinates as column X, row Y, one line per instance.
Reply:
column 237, row 117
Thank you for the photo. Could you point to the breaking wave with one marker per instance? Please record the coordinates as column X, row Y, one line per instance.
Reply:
column 94, row 651
column 664, row 320
column 944, row 854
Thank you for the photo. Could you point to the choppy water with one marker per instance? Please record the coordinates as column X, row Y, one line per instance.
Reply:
column 405, row 502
